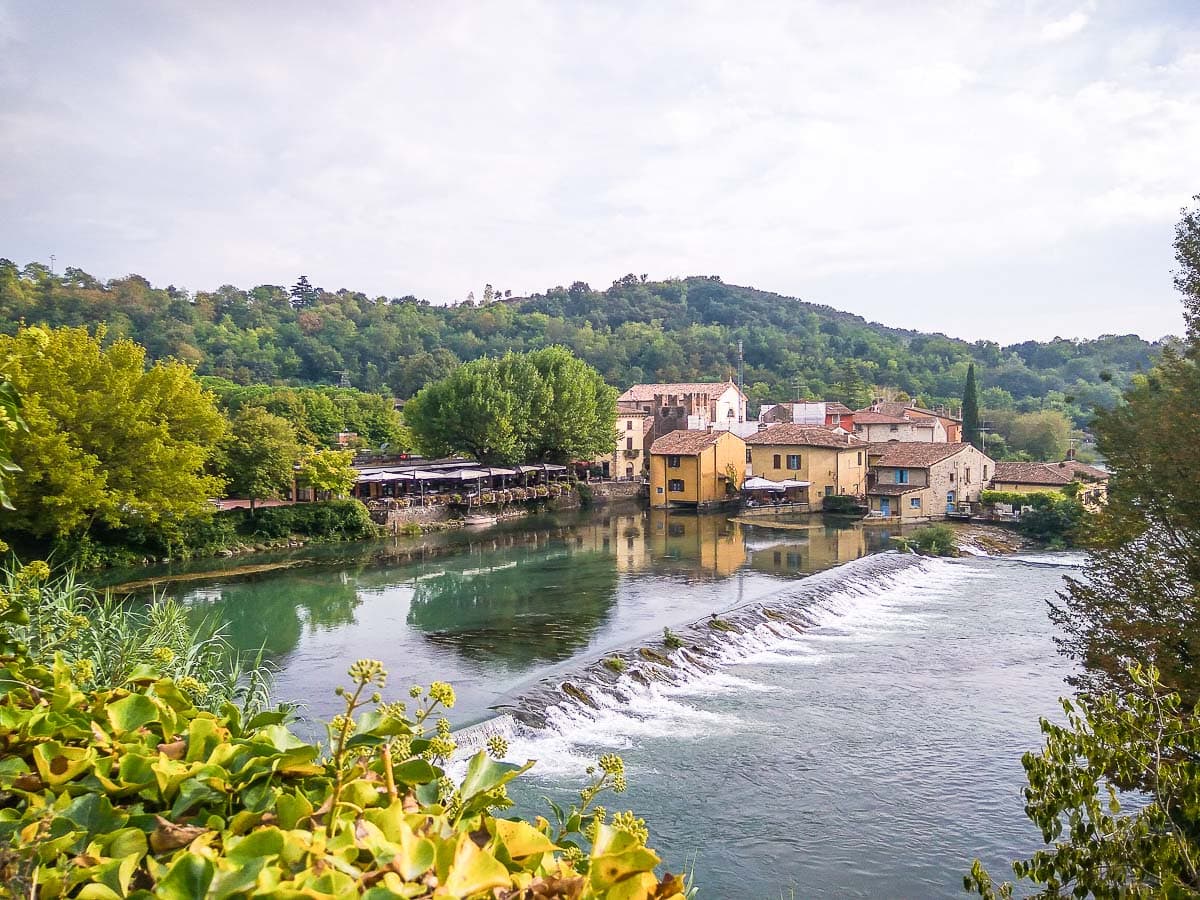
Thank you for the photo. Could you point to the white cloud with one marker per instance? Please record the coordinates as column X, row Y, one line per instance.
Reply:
column 809, row 148
column 1066, row 27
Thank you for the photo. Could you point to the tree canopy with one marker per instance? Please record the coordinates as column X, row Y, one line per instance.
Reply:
column 637, row 330
column 109, row 440
column 261, row 455
column 329, row 471
column 546, row 405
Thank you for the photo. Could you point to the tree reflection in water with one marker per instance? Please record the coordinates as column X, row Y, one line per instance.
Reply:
column 541, row 607
column 272, row 612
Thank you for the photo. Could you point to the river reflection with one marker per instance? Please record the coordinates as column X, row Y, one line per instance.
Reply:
column 496, row 609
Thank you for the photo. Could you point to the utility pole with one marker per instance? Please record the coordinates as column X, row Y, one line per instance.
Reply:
column 52, row 258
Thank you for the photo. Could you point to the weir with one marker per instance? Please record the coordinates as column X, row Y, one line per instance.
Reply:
column 706, row 646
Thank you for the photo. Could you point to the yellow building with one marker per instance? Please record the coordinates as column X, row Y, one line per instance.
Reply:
column 696, row 468
column 831, row 463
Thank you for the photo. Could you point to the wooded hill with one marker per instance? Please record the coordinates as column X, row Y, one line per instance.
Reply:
column 636, row 330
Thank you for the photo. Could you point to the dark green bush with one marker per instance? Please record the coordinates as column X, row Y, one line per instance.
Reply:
column 342, row 520
column 937, row 540
column 841, row 504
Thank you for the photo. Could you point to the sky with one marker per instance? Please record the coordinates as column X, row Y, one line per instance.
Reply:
column 990, row 170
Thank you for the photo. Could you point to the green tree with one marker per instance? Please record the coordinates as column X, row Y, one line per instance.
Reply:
column 1114, row 793
column 329, row 471
column 109, row 441
column 970, row 409
column 261, row 455
column 1140, row 594
column 1043, row 435
column 545, row 405
column 11, row 424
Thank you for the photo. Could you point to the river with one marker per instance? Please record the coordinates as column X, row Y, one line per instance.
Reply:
column 873, row 752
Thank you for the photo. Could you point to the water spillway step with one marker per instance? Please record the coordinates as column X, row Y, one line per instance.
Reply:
column 707, row 645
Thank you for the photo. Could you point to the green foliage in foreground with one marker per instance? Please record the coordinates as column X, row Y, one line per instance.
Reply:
column 936, row 540
column 106, row 641
column 131, row 790
column 1101, row 844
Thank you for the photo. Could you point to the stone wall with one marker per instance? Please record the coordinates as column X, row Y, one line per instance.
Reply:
column 617, row 490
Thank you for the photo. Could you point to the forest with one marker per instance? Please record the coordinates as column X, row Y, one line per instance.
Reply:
column 633, row 331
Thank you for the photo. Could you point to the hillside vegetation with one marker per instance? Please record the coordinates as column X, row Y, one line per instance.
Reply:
column 636, row 330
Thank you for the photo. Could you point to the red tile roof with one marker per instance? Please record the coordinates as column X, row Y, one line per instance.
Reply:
column 1048, row 474
column 686, row 443
column 866, row 417
column 913, row 454
column 894, row 490
column 803, row 435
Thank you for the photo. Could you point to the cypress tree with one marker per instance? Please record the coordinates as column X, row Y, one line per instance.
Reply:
column 970, row 409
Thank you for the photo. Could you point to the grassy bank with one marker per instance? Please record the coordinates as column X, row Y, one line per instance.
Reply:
column 222, row 534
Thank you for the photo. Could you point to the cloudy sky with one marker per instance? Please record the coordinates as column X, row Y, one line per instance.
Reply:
column 998, row 170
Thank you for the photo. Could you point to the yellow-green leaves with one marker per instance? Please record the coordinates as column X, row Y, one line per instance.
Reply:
column 136, row 790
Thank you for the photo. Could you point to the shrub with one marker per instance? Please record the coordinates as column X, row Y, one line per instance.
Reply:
column 106, row 641
column 937, row 540
column 132, row 790
column 343, row 520
column 671, row 640
column 615, row 664
column 1056, row 524
column 841, row 504
column 586, row 494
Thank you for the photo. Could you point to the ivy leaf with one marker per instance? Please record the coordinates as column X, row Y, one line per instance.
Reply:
column 131, row 712
column 188, row 878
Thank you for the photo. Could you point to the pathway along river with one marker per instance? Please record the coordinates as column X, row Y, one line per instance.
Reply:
column 874, row 750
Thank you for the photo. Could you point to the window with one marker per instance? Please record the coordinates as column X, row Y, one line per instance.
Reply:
column 902, row 476
column 793, row 461
column 629, row 424
column 985, row 473
column 628, row 443
column 659, row 490
column 952, row 478
column 749, row 455
column 778, row 460
column 675, row 485
column 915, row 503
column 837, row 419
column 860, row 457
column 968, row 476
column 673, row 462
column 829, row 490
column 645, row 409
column 893, row 428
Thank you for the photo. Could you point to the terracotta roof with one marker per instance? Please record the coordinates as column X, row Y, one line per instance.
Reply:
column 894, row 490
column 835, row 407
column 686, row 443
column 804, row 435
column 866, row 417
column 914, row 454
column 1082, row 470
column 907, row 410
column 640, row 393
column 1049, row 474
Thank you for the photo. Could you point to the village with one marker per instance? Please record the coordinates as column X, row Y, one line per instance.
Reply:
column 694, row 446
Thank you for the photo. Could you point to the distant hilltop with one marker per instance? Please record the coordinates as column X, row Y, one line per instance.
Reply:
column 635, row 331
